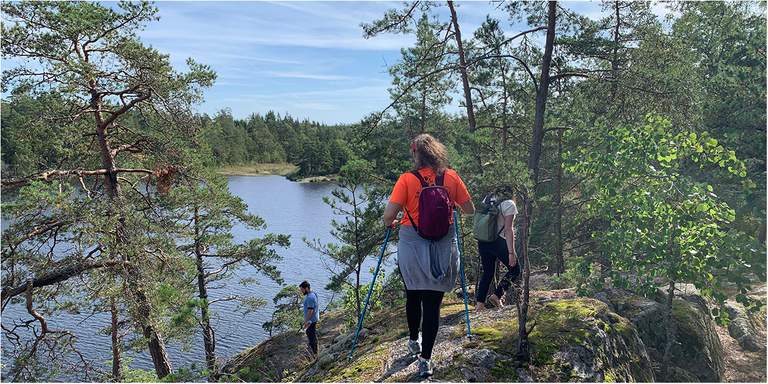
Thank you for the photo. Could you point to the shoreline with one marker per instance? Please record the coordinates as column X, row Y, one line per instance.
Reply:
column 273, row 169
column 258, row 169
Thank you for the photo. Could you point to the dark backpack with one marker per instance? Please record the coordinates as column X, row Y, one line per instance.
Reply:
column 434, row 209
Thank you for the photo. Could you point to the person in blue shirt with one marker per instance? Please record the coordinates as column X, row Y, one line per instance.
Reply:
column 311, row 315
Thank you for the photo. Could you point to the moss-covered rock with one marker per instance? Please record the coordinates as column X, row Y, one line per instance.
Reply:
column 697, row 348
column 582, row 340
column 744, row 327
column 574, row 339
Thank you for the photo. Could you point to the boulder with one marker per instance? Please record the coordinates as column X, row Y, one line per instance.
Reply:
column 477, row 363
column 343, row 342
column 582, row 340
column 697, row 348
column 742, row 328
column 326, row 360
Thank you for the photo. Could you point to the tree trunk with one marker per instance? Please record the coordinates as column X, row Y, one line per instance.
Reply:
column 423, row 118
column 670, row 331
column 357, row 291
column 463, row 70
column 209, row 341
column 504, row 119
column 116, row 360
column 541, row 95
column 504, row 100
column 558, row 200
column 133, row 274
column 523, row 346
column 615, row 58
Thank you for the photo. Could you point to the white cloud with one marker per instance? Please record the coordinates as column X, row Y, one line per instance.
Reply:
column 309, row 76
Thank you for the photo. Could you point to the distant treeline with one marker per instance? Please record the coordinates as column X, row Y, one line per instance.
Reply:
column 316, row 148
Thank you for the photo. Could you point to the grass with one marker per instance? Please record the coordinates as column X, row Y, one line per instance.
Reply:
column 262, row 169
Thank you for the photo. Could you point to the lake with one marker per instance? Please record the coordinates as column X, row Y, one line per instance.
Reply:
column 296, row 209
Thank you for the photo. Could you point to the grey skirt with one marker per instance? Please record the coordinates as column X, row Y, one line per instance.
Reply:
column 425, row 264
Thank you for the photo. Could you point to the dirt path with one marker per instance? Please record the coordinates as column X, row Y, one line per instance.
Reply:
column 741, row 366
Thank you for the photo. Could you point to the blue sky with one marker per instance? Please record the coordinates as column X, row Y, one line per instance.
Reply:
column 307, row 59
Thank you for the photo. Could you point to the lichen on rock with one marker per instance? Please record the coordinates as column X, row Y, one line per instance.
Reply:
column 696, row 349
column 742, row 327
column 617, row 338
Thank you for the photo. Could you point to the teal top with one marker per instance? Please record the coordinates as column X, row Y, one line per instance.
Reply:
column 310, row 302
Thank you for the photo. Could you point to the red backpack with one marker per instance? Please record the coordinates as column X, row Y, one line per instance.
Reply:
column 434, row 209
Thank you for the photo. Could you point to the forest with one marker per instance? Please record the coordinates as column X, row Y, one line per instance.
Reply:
column 633, row 144
column 317, row 149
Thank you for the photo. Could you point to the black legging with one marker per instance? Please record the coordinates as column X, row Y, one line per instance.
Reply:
column 428, row 302
column 489, row 253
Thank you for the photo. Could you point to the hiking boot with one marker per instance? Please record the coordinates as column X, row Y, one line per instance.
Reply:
column 414, row 347
column 495, row 301
column 425, row 367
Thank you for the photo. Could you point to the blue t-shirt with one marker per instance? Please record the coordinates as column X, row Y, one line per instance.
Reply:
column 310, row 302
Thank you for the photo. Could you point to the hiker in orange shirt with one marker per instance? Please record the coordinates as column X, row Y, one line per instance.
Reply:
column 427, row 249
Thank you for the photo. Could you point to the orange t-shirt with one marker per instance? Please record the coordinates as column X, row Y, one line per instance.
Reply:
column 408, row 187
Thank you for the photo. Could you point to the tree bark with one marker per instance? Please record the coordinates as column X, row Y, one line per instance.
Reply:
column 558, row 200
column 615, row 58
column 116, row 359
column 423, row 118
column 357, row 292
column 209, row 341
column 523, row 345
column 58, row 276
column 541, row 95
column 463, row 70
column 523, row 348
column 670, row 331
column 504, row 102
column 132, row 273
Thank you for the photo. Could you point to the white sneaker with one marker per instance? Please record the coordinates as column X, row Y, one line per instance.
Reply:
column 425, row 367
column 414, row 347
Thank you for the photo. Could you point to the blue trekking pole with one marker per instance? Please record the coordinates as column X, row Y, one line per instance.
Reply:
column 370, row 290
column 463, row 278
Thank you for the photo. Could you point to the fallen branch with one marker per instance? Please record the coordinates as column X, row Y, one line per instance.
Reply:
column 63, row 274
column 45, row 176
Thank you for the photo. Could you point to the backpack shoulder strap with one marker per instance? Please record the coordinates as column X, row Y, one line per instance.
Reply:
column 440, row 179
column 421, row 179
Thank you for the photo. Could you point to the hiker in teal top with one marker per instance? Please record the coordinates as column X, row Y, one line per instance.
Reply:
column 496, row 242
column 311, row 315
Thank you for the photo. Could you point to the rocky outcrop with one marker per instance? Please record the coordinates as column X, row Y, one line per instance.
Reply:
column 742, row 327
column 575, row 339
column 696, row 353
column 619, row 338
column 581, row 339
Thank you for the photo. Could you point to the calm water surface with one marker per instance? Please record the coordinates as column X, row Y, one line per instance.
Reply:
column 290, row 208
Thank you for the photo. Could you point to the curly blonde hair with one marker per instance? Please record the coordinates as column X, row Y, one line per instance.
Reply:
column 431, row 153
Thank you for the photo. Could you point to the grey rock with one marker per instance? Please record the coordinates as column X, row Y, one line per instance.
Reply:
column 582, row 362
column 742, row 329
column 478, row 364
column 326, row 360
column 482, row 357
column 524, row 376
column 697, row 348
